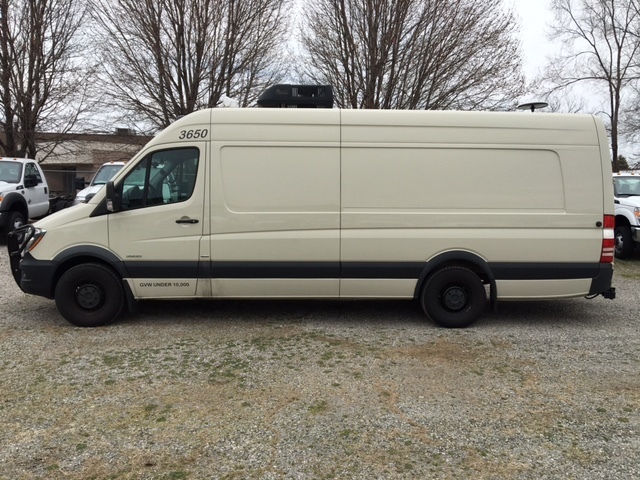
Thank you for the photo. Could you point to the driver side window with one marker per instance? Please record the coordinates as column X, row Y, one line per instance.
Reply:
column 165, row 176
column 31, row 169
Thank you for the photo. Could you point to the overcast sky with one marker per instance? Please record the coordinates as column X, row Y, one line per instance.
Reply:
column 535, row 18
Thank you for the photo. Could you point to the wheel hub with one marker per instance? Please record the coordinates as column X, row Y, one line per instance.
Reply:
column 88, row 296
column 454, row 298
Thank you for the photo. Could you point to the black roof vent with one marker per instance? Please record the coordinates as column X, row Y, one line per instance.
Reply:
column 297, row 96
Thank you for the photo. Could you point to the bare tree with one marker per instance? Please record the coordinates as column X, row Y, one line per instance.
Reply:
column 42, row 81
column 167, row 58
column 601, row 47
column 413, row 54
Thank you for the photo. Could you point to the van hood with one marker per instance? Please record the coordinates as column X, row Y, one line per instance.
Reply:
column 65, row 216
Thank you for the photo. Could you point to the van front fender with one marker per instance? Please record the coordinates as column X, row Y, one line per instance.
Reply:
column 39, row 277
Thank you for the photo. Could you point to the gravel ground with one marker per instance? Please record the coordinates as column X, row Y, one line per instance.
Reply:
column 309, row 389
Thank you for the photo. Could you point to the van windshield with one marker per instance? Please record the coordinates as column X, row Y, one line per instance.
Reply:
column 105, row 174
column 626, row 186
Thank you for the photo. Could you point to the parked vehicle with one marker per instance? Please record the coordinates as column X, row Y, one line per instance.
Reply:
column 24, row 192
column 627, row 208
column 102, row 176
column 448, row 208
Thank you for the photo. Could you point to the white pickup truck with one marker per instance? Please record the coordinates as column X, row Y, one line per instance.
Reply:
column 102, row 176
column 626, row 186
column 24, row 192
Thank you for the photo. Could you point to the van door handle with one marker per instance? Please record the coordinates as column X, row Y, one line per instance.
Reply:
column 187, row 220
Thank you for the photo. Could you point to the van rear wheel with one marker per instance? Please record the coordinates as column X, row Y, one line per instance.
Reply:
column 89, row 295
column 453, row 297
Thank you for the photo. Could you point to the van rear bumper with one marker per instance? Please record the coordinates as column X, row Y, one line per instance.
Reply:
column 601, row 284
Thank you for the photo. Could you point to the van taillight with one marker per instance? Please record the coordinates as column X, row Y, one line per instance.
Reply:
column 608, row 239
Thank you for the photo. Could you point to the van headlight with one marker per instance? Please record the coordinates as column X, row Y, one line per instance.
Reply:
column 35, row 239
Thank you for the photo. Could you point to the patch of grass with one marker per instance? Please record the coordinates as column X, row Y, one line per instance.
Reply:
column 629, row 269
column 177, row 475
column 319, row 407
column 112, row 360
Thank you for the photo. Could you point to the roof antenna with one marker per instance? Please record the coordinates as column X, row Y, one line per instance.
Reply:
column 533, row 106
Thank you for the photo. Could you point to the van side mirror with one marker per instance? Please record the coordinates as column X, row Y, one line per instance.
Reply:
column 80, row 183
column 113, row 198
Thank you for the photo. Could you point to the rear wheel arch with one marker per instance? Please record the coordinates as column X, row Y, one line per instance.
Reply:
column 468, row 260
column 461, row 260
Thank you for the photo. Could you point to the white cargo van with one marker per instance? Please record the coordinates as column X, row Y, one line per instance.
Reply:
column 454, row 209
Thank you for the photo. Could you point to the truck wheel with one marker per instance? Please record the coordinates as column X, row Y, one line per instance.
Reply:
column 89, row 295
column 453, row 297
column 624, row 242
column 16, row 220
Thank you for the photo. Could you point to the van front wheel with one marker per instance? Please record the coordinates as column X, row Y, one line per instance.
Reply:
column 89, row 295
column 453, row 297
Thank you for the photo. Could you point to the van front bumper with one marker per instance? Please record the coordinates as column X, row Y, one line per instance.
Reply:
column 36, row 276
column 32, row 276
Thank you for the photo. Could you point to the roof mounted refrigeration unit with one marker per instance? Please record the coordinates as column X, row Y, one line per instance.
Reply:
column 297, row 96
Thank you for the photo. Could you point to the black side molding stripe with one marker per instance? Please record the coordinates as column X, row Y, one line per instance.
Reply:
column 275, row 269
column 396, row 270
column 544, row 271
column 351, row 270
column 164, row 270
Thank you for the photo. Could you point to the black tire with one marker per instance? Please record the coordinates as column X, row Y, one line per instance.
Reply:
column 89, row 295
column 453, row 297
column 16, row 220
column 624, row 244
